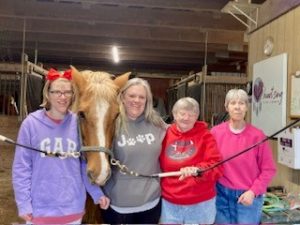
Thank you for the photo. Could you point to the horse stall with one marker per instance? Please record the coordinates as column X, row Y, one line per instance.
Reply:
column 209, row 91
column 20, row 88
column 13, row 108
column 9, row 93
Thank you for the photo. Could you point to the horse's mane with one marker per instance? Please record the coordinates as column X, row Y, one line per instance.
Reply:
column 100, row 85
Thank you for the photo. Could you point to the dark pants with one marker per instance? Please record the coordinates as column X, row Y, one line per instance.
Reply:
column 150, row 216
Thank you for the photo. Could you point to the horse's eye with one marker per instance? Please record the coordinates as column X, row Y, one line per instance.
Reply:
column 81, row 114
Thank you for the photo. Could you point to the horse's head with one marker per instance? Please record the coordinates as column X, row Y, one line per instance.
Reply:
column 98, row 108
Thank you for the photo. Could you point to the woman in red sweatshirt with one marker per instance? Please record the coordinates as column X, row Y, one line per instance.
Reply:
column 188, row 146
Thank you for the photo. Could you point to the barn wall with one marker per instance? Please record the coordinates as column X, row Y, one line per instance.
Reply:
column 285, row 31
column 159, row 87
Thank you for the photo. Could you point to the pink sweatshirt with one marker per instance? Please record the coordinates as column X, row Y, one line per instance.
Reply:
column 252, row 170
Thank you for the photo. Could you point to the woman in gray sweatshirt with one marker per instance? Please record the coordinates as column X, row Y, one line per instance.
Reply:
column 137, row 144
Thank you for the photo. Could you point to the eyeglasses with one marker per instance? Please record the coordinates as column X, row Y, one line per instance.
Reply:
column 58, row 93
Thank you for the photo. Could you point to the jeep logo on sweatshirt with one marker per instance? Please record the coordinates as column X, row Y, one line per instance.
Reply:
column 141, row 138
column 179, row 150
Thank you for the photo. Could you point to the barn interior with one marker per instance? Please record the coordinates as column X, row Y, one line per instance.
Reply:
column 194, row 48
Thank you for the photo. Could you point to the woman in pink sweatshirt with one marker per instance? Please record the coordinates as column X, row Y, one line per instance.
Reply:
column 246, row 177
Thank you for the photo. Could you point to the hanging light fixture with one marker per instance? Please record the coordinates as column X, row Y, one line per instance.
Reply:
column 115, row 54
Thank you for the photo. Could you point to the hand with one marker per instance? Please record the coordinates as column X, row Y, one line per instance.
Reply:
column 188, row 171
column 104, row 202
column 247, row 198
column 27, row 217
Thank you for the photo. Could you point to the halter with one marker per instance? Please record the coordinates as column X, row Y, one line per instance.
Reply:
column 84, row 148
column 114, row 162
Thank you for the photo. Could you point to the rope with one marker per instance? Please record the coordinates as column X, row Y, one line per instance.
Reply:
column 50, row 154
column 125, row 170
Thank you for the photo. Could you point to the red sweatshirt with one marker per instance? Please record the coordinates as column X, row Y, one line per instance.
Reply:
column 196, row 147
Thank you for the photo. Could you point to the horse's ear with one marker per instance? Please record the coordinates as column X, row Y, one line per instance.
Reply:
column 121, row 80
column 78, row 79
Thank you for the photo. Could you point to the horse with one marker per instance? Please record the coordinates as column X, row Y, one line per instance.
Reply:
column 97, row 107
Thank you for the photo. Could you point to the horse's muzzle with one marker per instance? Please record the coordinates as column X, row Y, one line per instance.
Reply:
column 98, row 179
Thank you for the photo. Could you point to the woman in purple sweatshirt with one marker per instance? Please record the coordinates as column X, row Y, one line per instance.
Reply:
column 52, row 190
column 246, row 177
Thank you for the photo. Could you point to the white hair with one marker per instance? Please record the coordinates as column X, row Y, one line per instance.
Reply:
column 186, row 103
column 236, row 94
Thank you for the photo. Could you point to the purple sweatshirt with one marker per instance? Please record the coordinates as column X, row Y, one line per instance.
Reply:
column 252, row 170
column 50, row 186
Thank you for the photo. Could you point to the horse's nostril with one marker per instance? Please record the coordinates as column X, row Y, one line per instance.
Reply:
column 91, row 175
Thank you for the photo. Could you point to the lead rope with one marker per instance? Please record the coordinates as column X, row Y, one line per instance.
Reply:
column 124, row 169
column 249, row 148
column 47, row 153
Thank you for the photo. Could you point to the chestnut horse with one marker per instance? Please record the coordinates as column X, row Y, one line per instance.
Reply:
column 97, row 108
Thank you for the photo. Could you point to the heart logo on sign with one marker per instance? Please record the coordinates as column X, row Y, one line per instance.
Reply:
column 258, row 89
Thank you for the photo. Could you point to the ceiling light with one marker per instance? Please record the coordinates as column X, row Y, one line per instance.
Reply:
column 115, row 54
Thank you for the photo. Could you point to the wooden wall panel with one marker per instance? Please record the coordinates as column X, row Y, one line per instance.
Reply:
column 286, row 34
column 158, row 87
column 272, row 9
column 296, row 42
column 289, row 47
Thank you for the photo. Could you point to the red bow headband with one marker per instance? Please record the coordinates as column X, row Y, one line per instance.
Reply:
column 53, row 75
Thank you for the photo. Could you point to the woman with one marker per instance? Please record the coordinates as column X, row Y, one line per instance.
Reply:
column 137, row 144
column 52, row 190
column 240, row 190
column 189, row 147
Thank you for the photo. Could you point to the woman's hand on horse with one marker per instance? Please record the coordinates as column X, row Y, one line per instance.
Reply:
column 104, row 202
column 27, row 217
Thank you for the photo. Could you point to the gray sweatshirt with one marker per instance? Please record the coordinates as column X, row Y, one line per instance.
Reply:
column 139, row 150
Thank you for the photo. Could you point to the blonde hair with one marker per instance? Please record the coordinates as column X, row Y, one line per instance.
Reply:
column 186, row 103
column 46, row 103
column 150, row 114
column 236, row 94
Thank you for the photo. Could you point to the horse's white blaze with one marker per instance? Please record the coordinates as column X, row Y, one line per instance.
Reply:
column 101, row 110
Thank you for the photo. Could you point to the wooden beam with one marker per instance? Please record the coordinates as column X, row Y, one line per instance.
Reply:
column 15, row 37
column 130, row 32
column 101, row 14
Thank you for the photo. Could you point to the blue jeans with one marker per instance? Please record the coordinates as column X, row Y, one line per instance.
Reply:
column 229, row 211
column 200, row 213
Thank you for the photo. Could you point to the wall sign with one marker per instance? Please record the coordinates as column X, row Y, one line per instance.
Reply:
column 269, row 94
